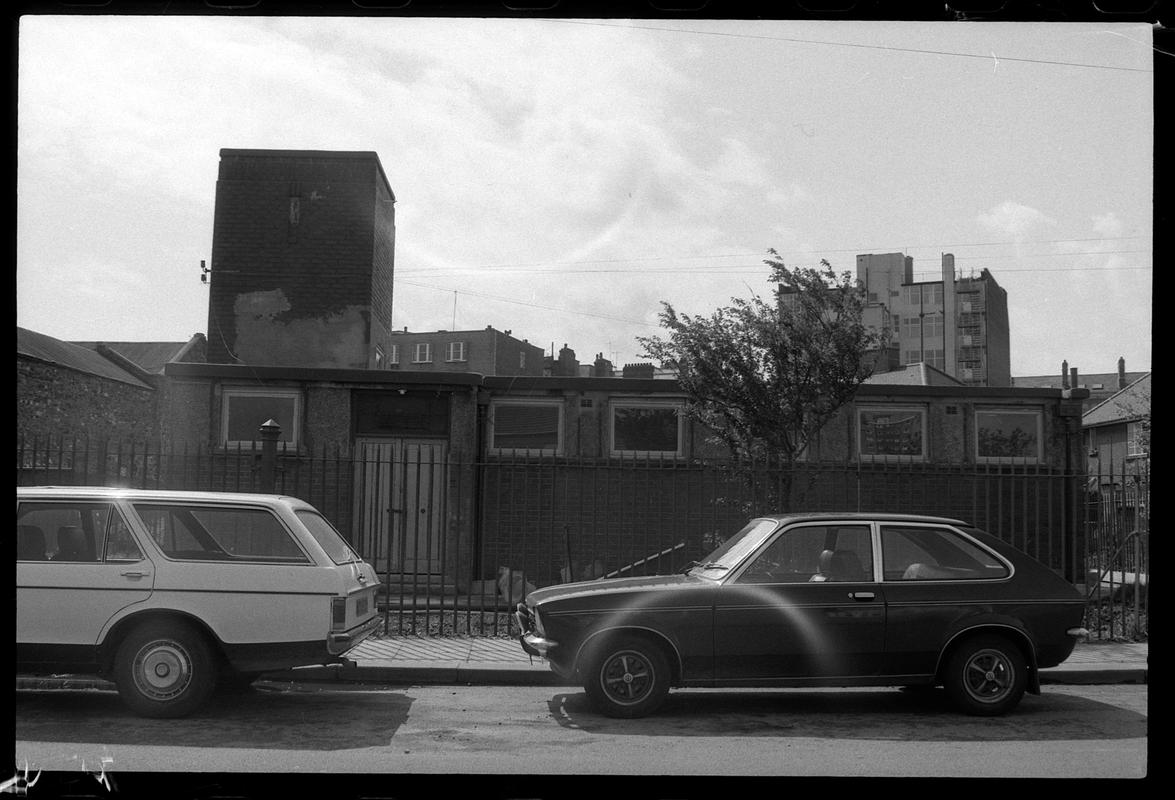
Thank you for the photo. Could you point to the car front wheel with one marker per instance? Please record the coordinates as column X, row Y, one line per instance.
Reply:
column 627, row 677
column 164, row 670
column 986, row 676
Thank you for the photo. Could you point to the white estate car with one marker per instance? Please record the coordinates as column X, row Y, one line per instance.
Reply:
column 170, row 593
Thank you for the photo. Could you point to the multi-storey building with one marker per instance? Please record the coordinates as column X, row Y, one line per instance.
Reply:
column 957, row 325
column 487, row 352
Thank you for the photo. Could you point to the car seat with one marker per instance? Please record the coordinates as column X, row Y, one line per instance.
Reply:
column 840, row 566
column 30, row 543
column 72, row 545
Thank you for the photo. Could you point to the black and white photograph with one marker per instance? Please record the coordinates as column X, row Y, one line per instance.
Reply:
column 511, row 395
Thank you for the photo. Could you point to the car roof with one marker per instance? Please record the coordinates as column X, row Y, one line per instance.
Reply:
column 114, row 492
column 821, row 516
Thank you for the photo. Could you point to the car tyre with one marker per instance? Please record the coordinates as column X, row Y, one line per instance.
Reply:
column 986, row 676
column 627, row 677
column 164, row 670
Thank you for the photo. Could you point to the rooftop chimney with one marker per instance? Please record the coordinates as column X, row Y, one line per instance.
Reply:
column 645, row 371
column 1121, row 372
column 1064, row 374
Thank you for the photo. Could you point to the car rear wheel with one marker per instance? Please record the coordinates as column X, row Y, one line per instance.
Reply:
column 986, row 676
column 164, row 670
column 627, row 677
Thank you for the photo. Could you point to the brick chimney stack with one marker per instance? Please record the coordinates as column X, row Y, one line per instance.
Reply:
column 1121, row 372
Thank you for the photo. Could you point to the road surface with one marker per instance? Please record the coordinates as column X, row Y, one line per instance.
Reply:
column 1069, row 731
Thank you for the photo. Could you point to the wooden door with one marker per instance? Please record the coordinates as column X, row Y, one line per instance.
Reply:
column 400, row 503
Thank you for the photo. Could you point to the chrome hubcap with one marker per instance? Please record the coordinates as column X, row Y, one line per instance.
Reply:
column 162, row 669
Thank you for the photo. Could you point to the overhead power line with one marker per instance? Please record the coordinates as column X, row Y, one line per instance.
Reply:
column 993, row 57
column 516, row 301
column 518, row 265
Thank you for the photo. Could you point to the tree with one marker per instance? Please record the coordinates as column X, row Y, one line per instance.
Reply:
column 766, row 376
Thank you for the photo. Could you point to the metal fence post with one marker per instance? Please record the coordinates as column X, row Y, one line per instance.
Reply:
column 270, row 431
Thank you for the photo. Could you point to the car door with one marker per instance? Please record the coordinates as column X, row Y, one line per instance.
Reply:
column 78, row 565
column 238, row 568
column 806, row 605
column 937, row 579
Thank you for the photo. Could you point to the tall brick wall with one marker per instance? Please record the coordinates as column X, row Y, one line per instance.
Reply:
column 302, row 258
column 54, row 401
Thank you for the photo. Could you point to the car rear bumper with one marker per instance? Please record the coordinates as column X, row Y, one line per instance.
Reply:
column 339, row 643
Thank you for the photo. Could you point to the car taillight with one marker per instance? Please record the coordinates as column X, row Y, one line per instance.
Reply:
column 338, row 613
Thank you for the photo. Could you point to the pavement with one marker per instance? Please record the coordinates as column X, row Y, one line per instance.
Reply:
column 496, row 662
column 485, row 661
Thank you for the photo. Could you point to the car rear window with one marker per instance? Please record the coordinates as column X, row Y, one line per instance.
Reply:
column 935, row 554
column 327, row 537
column 216, row 533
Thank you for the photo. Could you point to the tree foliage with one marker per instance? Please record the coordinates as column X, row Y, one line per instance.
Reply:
column 766, row 375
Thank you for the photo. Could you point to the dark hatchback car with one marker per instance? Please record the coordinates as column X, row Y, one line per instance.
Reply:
column 817, row 600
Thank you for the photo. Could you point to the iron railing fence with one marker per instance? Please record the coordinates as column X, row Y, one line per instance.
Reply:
column 1117, row 581
column 458, row 543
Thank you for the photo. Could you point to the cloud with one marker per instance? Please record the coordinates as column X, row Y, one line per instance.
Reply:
column 1107, row 225
column 1013, row 219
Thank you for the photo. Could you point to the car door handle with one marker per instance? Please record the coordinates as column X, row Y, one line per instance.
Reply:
column 135, row 574
column 861, row 595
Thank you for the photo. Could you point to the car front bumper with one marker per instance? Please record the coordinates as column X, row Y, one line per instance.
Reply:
column 536, row 645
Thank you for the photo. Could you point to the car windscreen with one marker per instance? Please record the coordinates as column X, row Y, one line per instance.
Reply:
column 327, row 537
column 737, row 547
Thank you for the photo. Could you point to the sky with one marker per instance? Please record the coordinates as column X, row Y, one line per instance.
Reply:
column 563, row 178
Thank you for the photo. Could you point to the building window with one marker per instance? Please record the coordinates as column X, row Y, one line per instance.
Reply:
column 1136, row 444
column 455, row 351
column 422, row 353
column 911, row 329
column 532, row 427
column 647, row 428
column 394, row 355
column 245, row 410
column 932, row 326
column 913, row 356
column 522, row 359
column 1007, row 436
column 379, row 357
column 891, row 433
column 936, row 358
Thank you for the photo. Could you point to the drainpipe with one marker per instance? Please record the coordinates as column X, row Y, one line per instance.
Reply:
column 479, row 428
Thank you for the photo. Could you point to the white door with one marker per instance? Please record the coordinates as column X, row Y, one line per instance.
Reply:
column 400, row 503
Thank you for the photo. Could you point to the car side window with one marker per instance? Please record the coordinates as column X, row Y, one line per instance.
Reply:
column 73, row 532
column 120, row 543
column 219, row 533
column 813, row 554
column 935, row 554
